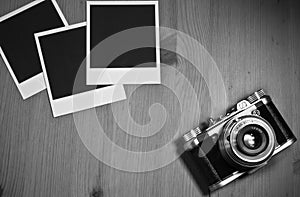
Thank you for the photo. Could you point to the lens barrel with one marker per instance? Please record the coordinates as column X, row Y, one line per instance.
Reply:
column 247, row 141
column 252, row 140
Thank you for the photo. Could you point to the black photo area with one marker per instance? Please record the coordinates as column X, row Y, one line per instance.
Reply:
column 107, row 20
column 64, row 53
column 17, row 38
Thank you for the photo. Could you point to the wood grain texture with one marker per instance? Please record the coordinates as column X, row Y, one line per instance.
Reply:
column 255, row 44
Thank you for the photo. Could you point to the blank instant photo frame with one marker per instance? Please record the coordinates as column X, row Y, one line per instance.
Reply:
column 62, row 54
column 17, row 43
column 136, row 66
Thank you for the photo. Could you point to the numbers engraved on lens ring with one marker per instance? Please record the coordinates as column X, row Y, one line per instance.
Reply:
column 241, row 124
column 89, row 128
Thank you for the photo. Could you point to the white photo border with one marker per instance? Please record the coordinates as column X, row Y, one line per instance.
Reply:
column 36, row 83
column 123, row 75
column 84, row 100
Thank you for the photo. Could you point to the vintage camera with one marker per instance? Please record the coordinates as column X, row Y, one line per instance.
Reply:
column 239, row 143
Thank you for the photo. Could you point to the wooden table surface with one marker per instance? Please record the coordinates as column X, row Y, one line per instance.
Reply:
column 255, row 44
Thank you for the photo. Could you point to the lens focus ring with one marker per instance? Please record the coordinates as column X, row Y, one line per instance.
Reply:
column 247, row 142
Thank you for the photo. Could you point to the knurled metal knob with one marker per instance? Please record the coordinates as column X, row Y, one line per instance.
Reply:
column 192, row 134
column 255, row 96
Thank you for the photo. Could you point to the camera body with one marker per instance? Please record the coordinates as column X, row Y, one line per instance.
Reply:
column 239, row 143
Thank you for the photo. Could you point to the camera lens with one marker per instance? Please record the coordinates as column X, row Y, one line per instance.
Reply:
column 252, row 139
column 247, row 141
